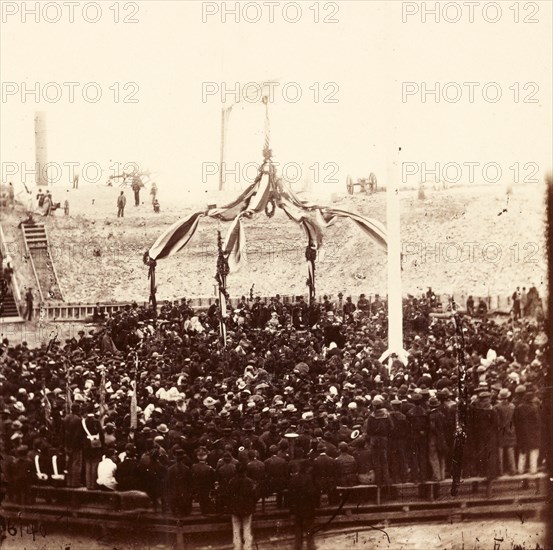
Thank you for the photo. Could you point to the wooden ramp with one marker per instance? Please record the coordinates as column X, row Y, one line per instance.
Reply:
column 38, row 251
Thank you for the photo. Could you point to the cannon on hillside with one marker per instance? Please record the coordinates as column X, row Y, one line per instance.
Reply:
column 367, row 185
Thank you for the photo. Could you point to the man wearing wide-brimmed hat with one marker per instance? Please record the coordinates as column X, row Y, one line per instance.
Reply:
column 506, row 432
column 436, row 440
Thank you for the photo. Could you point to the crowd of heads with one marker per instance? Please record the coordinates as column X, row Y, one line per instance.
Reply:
column 285, row 369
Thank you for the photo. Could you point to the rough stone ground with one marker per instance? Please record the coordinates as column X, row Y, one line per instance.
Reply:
column 469, row 239
column 473, row 535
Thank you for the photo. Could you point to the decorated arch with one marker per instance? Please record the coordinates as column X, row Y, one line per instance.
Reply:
column 267, row 193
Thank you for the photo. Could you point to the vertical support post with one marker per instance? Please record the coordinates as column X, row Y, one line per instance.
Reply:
column 222, row 152
column 41, row 149
column 393, row 227
column 225, row 114
column 395, row 311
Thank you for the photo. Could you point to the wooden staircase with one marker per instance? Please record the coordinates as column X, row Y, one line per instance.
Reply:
column 38, row 250
column 9, row 305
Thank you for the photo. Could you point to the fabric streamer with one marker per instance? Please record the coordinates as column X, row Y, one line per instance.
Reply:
column 266, row 191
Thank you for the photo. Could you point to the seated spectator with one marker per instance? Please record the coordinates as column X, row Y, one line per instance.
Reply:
column 106, row 470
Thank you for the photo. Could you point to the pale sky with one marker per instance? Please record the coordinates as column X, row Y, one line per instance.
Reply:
column 365, row 59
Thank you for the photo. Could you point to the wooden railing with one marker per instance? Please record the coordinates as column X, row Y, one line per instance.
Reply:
column 62, row 311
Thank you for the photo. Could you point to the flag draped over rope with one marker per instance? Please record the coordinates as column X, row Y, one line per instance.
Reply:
column 103, row 408
column 134, row 397
column 221, row 278
column 266, row 193
column 47, row 405
column 68, row 396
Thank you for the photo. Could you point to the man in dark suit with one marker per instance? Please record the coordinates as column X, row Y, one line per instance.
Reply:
column 179, row 486
column 276, row 471
column 203, row 481
column 73, row 439
column 93, row 442
column 324, row 473
column 303, row 497
column 241, row 505
column 127, row 473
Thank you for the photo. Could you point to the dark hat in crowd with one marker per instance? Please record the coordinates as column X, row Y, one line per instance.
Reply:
column 433, row 403
column 504, row 394
column 343, row 446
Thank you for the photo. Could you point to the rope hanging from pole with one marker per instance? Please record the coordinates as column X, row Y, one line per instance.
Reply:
column 463, row 401
column 152, row 277
column 223, row 270
column 311, row 256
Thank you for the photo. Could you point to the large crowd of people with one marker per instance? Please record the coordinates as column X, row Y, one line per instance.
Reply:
column 297, row 400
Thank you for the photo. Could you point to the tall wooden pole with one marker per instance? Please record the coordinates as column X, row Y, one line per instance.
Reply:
column 41, row 149
column 225, row 114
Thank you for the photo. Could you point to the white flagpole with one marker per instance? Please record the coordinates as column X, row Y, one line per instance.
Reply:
column 393, row 230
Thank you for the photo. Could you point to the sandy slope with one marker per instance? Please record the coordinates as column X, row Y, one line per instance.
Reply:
column 507, row 246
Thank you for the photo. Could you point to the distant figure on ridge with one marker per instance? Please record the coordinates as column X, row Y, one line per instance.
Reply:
column 121, row 202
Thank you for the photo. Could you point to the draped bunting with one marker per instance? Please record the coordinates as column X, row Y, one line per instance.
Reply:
column 47, row 405
column 103, row 408
column 266, row 190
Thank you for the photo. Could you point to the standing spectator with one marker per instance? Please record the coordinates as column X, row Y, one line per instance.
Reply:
column 48, row 203
column 203, row 481
column 136, row 185
column 516, row 297
column 153, row 191
column 418, row 423
column 363, row 305
column 20, row 476
column 73, row 442
column 302, row 501
column 40, row 198
column 92, row 448
column 482, row 308
column 324, row 473
column 379, row 430
column 483, row 428
column 470, row 306
column 179, row 486
column 241, row 490
column 436, row 440
column 29, row 304
column 526, row 419
column 121, row 202
column 523, row 301
column 506, row 432
column 255, row 470
column 276, row 470
column 339, row 306
column 349, row 309
column 127, row 473
column 398, row 443
column 346, row 467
